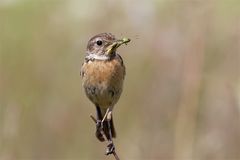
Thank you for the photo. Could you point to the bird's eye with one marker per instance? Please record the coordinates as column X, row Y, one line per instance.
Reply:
column 99, row 42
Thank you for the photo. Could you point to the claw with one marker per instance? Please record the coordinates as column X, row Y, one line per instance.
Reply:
column 110, row 149
column 99, row 129
column 99, row 125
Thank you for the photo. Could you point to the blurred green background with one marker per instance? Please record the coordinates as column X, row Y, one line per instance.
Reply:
column 181, row 98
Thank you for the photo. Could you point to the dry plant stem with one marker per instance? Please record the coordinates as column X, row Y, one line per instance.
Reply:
column 93, row 118
column 116, row 156
column 105, row 138
column 105, row 116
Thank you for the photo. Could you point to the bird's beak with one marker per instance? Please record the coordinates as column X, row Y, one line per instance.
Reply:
column 112, row 48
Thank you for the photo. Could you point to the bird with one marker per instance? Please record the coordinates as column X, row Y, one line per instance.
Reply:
column 103, row 73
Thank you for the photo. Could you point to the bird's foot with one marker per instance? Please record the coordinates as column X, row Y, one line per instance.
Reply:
column 99, row 125
column 99, row 130
column 110, row 148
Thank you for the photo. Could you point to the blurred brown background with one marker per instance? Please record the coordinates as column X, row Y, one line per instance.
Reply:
column 181, row 97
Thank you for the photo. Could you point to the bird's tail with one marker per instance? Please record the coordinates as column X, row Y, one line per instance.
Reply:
column 113, row 132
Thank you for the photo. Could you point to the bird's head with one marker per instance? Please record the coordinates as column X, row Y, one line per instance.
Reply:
column 104, row 45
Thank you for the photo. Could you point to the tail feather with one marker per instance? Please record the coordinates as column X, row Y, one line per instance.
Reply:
column 113, row 131
column 106, row 129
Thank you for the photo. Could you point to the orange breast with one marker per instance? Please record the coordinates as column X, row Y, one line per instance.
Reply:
column 106, row 77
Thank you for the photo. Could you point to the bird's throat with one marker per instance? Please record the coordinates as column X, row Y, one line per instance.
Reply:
column 97, row 57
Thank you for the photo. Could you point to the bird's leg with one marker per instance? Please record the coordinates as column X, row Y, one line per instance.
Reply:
column 99, row 125
column 110, row 146
column 99, row 118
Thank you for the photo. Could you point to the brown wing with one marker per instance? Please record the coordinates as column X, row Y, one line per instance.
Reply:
column 122, row 65
column 82, row 70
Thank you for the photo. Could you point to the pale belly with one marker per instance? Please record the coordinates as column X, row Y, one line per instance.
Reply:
column 102, row 95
